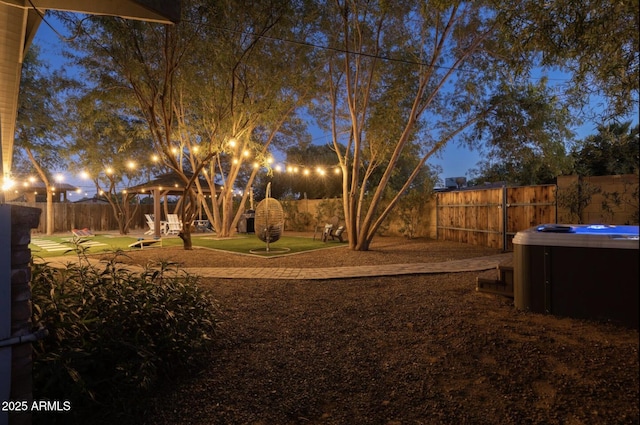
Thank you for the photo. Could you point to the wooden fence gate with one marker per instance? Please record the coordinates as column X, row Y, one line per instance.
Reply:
column 491, row 217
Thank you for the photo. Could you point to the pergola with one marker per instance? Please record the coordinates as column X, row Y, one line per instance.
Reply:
column 30, row 191
column 169, row 184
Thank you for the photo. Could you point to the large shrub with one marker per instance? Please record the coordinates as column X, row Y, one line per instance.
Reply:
column 113, row 335
column 295, row 220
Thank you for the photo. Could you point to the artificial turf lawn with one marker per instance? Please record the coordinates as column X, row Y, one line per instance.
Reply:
column 242, row 244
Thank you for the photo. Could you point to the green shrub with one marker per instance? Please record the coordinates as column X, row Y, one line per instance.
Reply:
column 576, row 198
column 327, row 209
column 295, row 220
column 113, row 335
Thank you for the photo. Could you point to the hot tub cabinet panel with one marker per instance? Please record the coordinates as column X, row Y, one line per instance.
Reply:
column 587, row 272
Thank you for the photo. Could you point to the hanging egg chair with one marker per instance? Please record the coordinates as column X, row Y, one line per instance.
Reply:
column 269, row 219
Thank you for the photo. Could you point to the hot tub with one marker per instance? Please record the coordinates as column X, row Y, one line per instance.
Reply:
column 581, row 271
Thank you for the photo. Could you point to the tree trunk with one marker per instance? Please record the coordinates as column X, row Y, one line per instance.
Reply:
column 50, row 218
column 185, row 235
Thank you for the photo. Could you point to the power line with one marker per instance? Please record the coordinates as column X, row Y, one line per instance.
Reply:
column 350, row 52
column 290, row 41
column 56, row 32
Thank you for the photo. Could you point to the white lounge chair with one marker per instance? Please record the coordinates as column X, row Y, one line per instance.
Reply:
column 174, row 225
column 151, row 224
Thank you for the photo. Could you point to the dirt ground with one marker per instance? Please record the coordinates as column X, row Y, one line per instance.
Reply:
column 418, row 349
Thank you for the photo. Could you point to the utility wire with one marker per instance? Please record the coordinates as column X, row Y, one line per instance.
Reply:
column 56, row 32
column 289, row 41
column 350, row 52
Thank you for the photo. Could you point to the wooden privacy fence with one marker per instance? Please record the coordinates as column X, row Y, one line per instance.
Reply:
column 97, row 217
column 481, row 216
column 491, row 217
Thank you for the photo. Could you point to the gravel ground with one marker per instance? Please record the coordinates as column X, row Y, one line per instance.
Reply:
column 419, row 349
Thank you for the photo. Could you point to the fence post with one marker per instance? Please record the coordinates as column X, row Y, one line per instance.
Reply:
column 505, row 218
column 437, row 218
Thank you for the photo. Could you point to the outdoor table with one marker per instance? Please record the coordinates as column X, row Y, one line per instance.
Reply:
column 202, row 225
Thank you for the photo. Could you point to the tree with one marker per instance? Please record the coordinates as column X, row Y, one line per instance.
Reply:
column 523, row 137
column 413, row 206
column 576, row 198
column 428, row 72
column 201, row 86
column 39, row 124
column 614, row 150
column 400, row 75
column 111, row 143
column 596, row 42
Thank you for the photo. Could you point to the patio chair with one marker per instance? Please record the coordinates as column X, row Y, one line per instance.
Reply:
column 202, row 226
column 326, row 231
column 151, row 224
column 174, row 225
column 164, row 225
column 337, row 233
column 328, row 228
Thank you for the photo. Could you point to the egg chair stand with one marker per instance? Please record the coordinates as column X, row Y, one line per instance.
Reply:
column 269, row 221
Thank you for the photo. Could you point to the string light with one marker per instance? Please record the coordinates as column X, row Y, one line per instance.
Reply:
column 8, row 184
column 307, row 171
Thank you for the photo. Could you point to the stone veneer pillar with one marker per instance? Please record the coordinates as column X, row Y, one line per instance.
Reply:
column 15, row 236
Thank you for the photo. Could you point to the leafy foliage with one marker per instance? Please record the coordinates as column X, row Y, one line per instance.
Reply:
column 113, row 145
column 594, row 41
column 328, row 209
column 220, row 93
column 614, row 150
column 413, row 208
column 524, row 136
column 114, row 335
column 295, row 219
column 576, row 198
column 628, row 197
column 39, row 124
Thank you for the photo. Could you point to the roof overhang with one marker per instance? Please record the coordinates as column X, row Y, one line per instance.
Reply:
column 19, row 21
column 161, row 11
